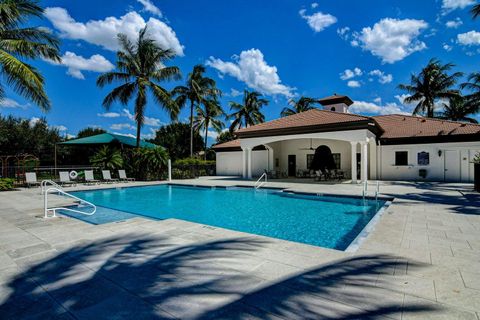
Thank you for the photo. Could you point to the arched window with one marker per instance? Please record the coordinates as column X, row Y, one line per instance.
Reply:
column 332, row 109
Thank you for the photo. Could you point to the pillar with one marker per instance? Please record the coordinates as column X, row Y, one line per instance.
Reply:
column 354, row 161
column 364, row 161
column 249, row 163
column 244, row 163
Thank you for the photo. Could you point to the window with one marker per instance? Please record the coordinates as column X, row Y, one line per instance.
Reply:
column 277, row 163
column 309, row 160
column 337, row 159
column 401, row 158
column 423, row 158
column 332, row 109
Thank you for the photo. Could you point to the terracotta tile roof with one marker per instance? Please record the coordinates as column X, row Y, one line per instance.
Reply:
column 400, row 126
column 228, row 144
column 312, row 117
column 336, row 98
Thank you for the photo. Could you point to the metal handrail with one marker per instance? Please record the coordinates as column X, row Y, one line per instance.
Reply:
column 47, row 210
column 365, row 189
column 44, row 184
column 260, row 183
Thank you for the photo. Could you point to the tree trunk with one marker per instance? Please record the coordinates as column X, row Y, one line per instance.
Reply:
column 138, row 134
column 191, row 129
column 206, row 138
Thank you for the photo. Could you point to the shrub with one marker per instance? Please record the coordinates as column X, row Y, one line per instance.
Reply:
column 6, row 184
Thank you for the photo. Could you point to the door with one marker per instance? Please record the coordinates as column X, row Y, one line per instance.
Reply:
column 292, row 165
column 452, row 166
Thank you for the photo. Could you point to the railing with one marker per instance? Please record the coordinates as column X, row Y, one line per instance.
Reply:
column 259, row 182
column 365, row 190
column 45, row 183
column 47, row 210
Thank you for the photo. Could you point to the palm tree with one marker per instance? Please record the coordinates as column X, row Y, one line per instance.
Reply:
column 248, row 113
column 195, row 90
column 301, row 105
column 431, row 84
column 209, row 116
column 107, row 158
column 457, row 110
column 473, row 98
column 18, row 42
column 475, row 11
column 139, row 67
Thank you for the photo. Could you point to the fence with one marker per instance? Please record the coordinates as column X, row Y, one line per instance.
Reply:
column 43, row 172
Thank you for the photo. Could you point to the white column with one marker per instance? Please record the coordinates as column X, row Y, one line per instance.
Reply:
column 249, row 163
column 244, row 163
column 364, row 161
column 354, row 161
column 169, row 169
column 270, row 158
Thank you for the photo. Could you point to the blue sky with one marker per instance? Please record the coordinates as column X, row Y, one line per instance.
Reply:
column 281, row 48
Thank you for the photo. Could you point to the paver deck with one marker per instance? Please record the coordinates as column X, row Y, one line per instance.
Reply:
column 422, row 261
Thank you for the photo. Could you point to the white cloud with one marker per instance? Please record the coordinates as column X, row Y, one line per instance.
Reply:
column 60, row 128
column 454, row 24
column 377, row 100
column 150, row 135
column 373, row 108
column 447, row 47
column 471, row 38
column 212, row 134
column 318, row 21
column 349, row 74
column 104, row 32
column 150, row 7
column 353, row 84
column 76, row 64
column 235, row 92
column 109, row 114
column 344, row 33
column 10, row 103
column 252, row 69
column 391, row 39
column 456, row 4
column 382, row 77
column 33, row 121
column 122, row 126
column 148, row 121
column 125, row 134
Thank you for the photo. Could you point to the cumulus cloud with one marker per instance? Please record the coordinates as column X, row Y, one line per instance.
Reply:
column 450, row 5
column 76, row 64
column 377, row 109
column 122, row 126
column 382, row 77
column 471, row 38
column 447, row 47
column 252, row 69
column 353, row 84
column 60, row 128
column 318, row 21
column 125, row 134
column 12, row 104
column 235, row 92
column 104, row 32
column 150, row 7
column 344, row 33
column 391, row 39
column 454, row 24
column 148, row 121
column 349, row 74
column 33, row 121
column 109, row 114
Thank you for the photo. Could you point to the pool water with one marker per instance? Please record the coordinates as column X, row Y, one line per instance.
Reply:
column 332, row 222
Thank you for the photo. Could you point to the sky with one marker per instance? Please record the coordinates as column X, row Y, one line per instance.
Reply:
column 283, row 49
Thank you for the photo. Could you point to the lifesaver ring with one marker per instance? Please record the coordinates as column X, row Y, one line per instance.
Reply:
column 73, row 174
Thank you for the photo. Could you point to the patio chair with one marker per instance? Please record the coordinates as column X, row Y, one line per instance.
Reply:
column 89, row 178
column 65, row 179
column 107, row 177
column 123, row 176
column 31, row 179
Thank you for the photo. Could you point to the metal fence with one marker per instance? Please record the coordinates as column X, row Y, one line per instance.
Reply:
column 43, row 172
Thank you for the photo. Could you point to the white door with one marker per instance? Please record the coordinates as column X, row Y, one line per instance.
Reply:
column 452, row 166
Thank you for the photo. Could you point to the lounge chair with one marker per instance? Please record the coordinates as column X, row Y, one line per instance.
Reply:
column 123, row 176
column 31, row 179
column 65, row 179
column 89, row 178
column 107, row 177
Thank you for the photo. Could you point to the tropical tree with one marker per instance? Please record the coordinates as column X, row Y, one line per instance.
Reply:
column 475, row 11
column 249, row 112
column 17, row 42
column 431, row 84
column 89, row 131
column 140, row 67
column 472, row 98
column 173, row 137
column 225, row 136
column 209, row 115
column 107, row 158
column 195, row 91
column 149, row 163
column 457, row 109
column 301, row 105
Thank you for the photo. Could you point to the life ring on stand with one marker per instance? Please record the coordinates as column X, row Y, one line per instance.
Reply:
column 73, row 174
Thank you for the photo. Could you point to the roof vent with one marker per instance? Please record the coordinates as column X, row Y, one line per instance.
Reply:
column 424, row 120
column 463, row 125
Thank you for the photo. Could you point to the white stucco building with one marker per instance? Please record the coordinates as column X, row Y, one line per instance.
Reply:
column 390, row 147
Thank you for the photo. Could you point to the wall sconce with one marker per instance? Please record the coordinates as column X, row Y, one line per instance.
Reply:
column 439, row 153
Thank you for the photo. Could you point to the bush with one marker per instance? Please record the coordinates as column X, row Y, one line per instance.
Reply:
column 194, row 162
column 190, row 168
column 6, row 184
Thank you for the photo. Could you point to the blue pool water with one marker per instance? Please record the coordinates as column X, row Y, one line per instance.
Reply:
column 332, row 222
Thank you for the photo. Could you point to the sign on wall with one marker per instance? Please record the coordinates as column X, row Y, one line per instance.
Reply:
column 423, row 158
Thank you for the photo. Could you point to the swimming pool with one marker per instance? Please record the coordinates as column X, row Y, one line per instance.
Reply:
column 326, row 221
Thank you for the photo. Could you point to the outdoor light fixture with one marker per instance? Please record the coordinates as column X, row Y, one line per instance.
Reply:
column 439, row 153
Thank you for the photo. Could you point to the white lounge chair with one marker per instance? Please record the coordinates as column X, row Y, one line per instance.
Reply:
column 107, row 177
column 123, row 176
column 89, row 178
column 31, row 179
column 65, row 179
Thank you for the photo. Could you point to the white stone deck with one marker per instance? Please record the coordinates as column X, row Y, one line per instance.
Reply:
column 422, row 261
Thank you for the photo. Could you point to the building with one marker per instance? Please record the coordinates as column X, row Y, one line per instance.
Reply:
column 388, row 147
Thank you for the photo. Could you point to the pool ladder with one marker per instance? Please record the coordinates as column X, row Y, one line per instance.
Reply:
column 51, row 212
column 365, row 190
column 259, row 182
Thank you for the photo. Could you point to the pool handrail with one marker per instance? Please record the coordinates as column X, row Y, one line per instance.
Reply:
column 44, row 184
column 57, row 190
column 259, row 182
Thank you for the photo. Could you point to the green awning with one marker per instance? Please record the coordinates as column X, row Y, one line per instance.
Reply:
column 106, row 138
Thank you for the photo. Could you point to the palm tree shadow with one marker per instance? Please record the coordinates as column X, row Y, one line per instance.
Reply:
column 155, row 278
